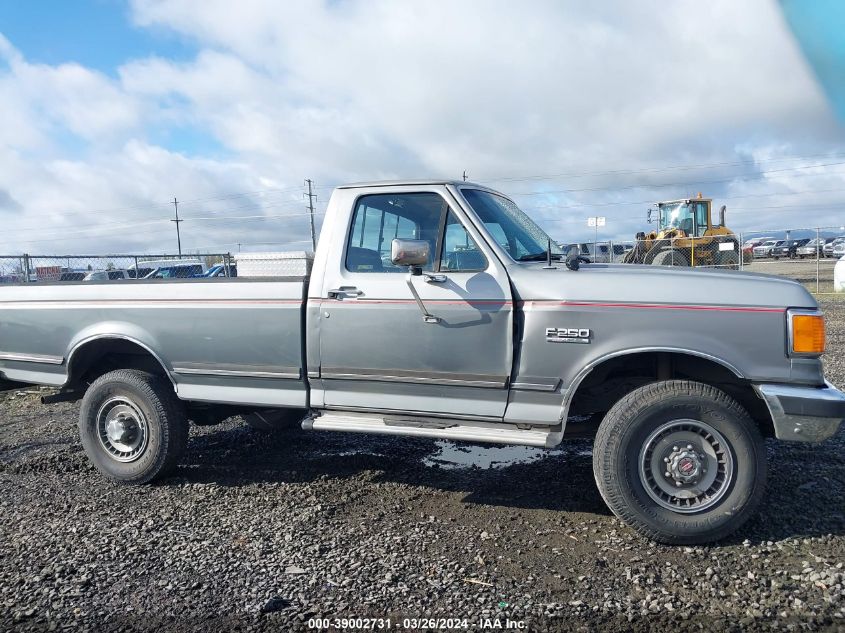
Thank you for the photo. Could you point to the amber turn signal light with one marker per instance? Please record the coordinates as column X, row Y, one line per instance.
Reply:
column 807, row 334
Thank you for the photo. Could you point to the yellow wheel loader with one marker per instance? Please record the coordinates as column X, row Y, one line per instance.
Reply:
column 686, row 236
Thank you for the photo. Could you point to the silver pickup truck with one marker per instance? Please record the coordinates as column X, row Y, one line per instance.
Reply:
column 439, row 309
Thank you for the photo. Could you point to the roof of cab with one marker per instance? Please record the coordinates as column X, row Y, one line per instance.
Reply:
column 399, row 183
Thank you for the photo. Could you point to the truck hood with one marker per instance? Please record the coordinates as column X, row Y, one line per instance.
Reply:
column 634, row 283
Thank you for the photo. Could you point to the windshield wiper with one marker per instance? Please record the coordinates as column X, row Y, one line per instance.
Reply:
column 538, row 257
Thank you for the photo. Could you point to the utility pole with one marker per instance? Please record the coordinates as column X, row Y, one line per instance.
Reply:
column 177, row 221
column 311, row 197
column 465, row 175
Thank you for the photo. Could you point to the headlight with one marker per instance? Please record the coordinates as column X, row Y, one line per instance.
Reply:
column 806, row 332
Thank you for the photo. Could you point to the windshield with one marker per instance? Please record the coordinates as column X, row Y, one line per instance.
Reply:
column 676, row 216
column 509, row 226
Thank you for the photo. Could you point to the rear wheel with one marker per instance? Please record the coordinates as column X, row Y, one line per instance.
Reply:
column 727, row 259
column 680, row 462
column 132, row 426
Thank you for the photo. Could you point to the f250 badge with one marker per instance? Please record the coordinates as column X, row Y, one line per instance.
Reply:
column 568, row 335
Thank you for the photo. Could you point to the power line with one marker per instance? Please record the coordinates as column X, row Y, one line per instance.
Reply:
column 659, row 169
column 739, row 210
column 123, row 225
column 279, row 190
column 576, row 205
column 164, row 205
column 98, row 231
column 744, row 177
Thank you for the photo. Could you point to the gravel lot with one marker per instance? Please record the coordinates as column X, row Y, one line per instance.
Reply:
column 261, row 533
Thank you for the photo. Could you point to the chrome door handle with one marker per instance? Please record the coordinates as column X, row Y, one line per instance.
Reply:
column 344, row 291
column 435, row 279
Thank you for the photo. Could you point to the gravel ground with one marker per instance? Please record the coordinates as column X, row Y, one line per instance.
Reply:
column 262, row 533
column 807, row 271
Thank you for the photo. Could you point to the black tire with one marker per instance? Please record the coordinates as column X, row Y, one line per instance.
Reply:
column 670, row 257
column 619, row 462
column 149, row 406
column 727, row 259
column 274, row 420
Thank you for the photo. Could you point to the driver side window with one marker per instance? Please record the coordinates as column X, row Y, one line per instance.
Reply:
column 381, row 218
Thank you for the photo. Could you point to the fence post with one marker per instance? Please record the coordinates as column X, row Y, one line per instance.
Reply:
column 228, row 266
column 817, row 260
column 741, row 254
column 26, row 268
column 137, row 276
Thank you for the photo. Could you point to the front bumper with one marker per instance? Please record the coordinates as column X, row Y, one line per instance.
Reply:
column 803, row 414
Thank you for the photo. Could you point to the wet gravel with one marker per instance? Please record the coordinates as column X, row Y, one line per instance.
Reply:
column 264, row 533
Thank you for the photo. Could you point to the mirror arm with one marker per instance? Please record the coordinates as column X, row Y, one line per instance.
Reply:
column 414, row 271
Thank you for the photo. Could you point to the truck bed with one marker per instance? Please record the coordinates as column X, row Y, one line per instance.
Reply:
column 221, row 340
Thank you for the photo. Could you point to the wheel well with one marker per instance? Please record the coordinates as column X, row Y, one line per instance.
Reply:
column 616, row 377
column 95, row 358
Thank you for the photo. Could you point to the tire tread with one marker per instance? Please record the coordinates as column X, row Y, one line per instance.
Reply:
column 167, row 407
column 616, row 422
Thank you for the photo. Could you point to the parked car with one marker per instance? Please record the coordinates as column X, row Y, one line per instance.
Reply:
column 106, row 275
column 184, row 267
column 748, row 247
column 686, row 371
column 176, row 271
column 220, row 270
column 765, row 249
column 839, row 250
column 828, row 248
column 77, row 275
column 788, row 248
column 813, row 248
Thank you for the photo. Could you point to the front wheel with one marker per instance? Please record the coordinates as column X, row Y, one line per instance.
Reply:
column 681, row 462
column 132, row 425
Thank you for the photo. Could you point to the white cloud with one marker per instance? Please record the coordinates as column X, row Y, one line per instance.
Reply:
column 349, row 90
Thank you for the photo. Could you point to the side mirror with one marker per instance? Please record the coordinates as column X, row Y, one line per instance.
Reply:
column 413, row 254
column 409, row 252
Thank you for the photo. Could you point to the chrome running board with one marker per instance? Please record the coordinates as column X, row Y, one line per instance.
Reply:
column 486, row 432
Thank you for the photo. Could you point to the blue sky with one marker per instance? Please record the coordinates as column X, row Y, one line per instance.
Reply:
column 98, row 34
column 110, row 109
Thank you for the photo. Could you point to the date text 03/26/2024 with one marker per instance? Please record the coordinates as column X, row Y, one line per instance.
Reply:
column 416, row 624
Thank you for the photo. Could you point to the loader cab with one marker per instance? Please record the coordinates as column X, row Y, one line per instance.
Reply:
column 690, row 216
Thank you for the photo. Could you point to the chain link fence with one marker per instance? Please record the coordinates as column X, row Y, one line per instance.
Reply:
column 807, row 255
column 27, row 268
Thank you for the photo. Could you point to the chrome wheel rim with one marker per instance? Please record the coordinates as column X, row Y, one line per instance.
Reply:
column 686, row 466
column 122, row 429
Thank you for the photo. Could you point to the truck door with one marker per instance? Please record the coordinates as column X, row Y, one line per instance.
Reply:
column 377, row 352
